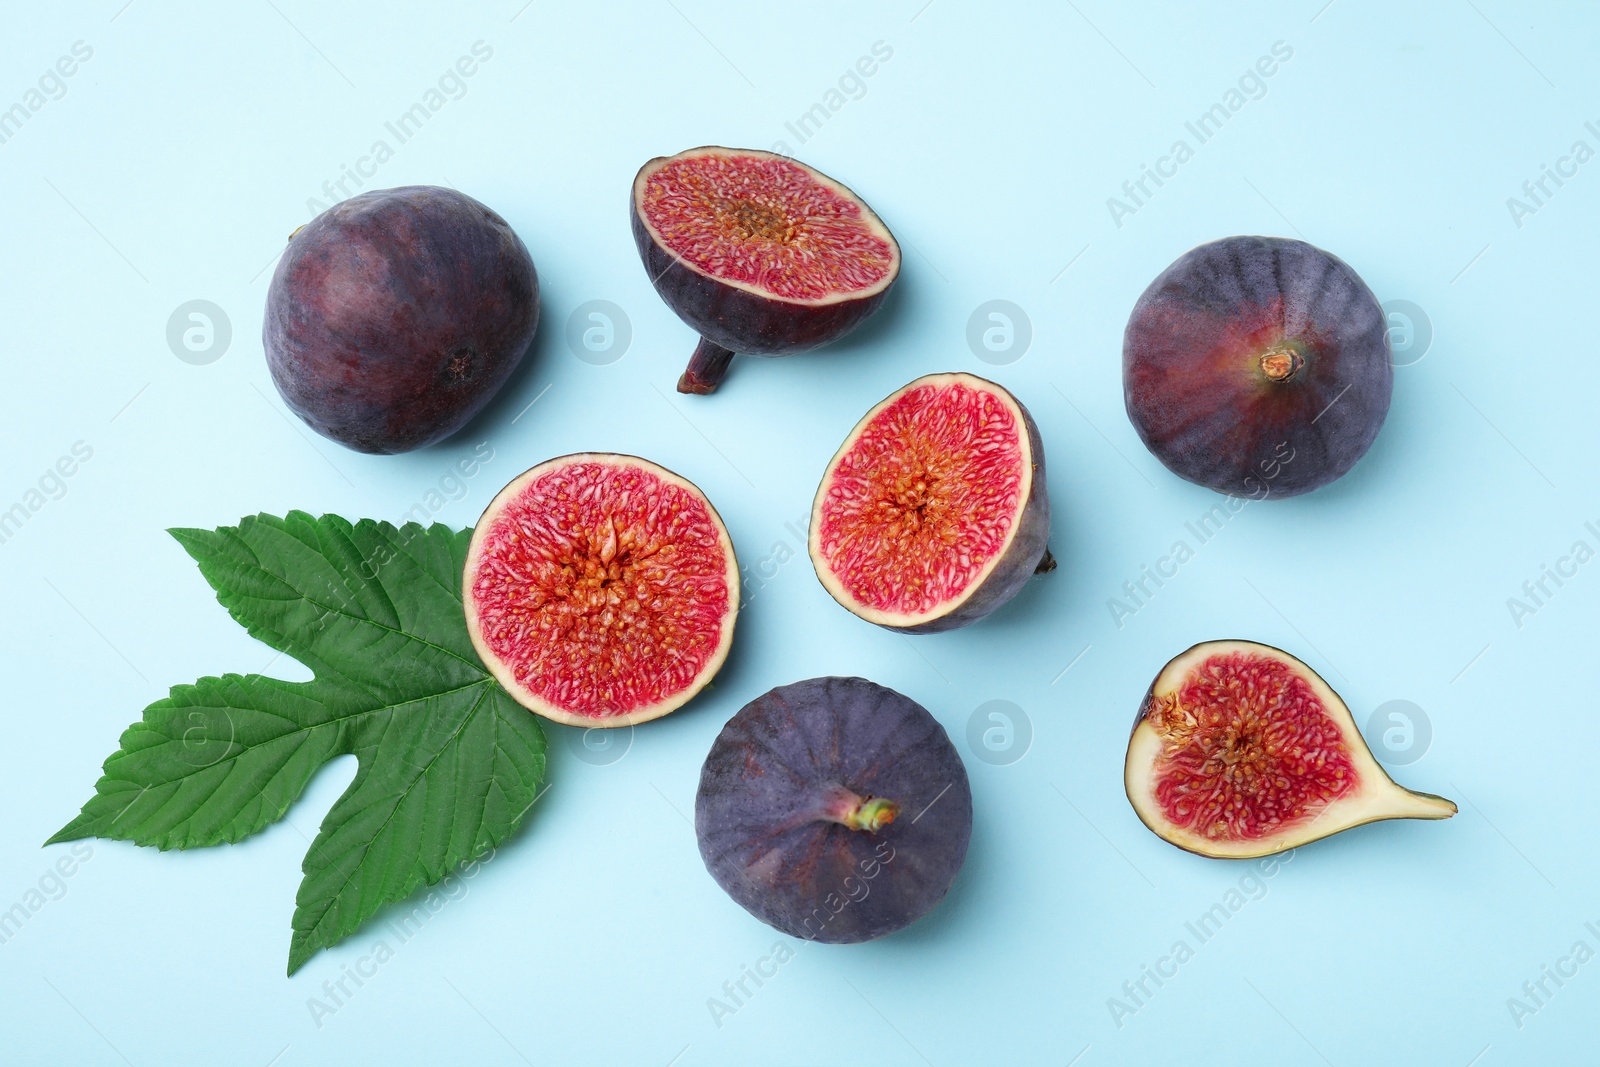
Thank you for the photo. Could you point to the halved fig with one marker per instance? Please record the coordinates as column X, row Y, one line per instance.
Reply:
column 601, row 590
column 834, row 809
column 934, row 512
column 1241, row 750
column 1257, row 366
column 761, row 254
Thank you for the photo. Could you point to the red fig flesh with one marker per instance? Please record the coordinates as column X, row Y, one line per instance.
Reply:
column 601, row 590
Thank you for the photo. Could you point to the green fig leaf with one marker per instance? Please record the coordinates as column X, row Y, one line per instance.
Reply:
column 448, row 763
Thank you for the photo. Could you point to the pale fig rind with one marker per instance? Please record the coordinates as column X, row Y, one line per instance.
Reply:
column 1376, row 796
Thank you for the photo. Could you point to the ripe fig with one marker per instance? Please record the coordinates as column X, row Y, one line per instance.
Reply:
column 1241, row 750
column 934, row 512
column 601, row 590
column 1257, row 366
column 761, row 254
column 834, row 809
column 395, row 315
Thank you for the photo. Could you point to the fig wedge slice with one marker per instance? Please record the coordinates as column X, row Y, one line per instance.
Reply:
column 1241, row 750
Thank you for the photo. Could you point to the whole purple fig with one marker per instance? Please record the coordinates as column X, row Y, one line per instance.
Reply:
column 834, row 809
column 1257, row 367
column 395, row 315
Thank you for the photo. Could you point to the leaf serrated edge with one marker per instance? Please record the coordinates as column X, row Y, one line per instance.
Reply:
column 302, row 948
column 202, row 547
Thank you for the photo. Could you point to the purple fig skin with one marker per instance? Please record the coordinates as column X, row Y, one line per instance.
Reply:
column 1199, row 396
column 762, row 813
column 732, row 320
column 394, row 316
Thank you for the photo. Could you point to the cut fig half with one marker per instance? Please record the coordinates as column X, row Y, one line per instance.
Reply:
column 1241, row 750
column 934, row 512
column 761, row 254
column 601, row 590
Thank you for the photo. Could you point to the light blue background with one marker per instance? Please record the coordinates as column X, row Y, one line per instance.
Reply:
column 185, row 150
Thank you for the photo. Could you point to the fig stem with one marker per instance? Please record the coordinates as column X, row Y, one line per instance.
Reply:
column 1280, row 364
column 707, row 367
column 869, row 813
column 873, row 815
column 1047, row 564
